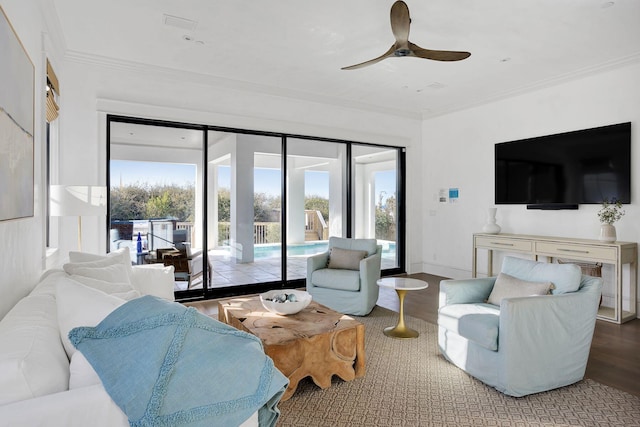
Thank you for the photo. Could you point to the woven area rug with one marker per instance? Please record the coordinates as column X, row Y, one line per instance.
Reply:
column 408, row 383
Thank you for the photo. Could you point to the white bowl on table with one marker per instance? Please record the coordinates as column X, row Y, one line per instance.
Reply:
column 294, row 302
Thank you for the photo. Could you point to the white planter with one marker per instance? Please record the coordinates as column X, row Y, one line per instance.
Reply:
column 607, row 233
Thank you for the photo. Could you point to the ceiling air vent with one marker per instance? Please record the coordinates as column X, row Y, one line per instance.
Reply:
column 182, row 23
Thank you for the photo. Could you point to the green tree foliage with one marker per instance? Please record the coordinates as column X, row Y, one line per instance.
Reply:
column 143, row 201
column 266, row 208
column 129, row 202
column 224, row 205
column 386, row 218
column 317, row 203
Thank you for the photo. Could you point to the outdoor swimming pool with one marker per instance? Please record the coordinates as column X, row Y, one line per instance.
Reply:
column 273, row 250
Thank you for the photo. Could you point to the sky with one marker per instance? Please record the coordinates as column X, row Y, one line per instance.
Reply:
column 130, row 172
column 265, row 180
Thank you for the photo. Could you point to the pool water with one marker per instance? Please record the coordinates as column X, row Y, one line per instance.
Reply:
column 273, row 250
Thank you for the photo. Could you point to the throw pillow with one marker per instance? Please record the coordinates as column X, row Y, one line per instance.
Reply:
column 345, row 259
column 565, row 277
column 79, row 305
column 510, row 287
column 154, row 279
column 120, row 290
column 116, row 273
column 121, row 256
column 81, row 373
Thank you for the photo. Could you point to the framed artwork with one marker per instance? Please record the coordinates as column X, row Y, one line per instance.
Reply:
column 17, row 78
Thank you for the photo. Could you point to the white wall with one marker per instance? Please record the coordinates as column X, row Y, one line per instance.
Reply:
column 458, row 152
column 22, row 252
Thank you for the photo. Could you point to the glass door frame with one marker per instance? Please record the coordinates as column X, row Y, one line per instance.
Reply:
column 207, row 292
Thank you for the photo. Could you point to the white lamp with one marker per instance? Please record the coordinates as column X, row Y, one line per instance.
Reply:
column 78, row 200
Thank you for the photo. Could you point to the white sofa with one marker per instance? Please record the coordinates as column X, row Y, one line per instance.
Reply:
column 40, row 383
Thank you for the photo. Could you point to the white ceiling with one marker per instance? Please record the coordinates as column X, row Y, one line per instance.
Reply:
column 296, row 48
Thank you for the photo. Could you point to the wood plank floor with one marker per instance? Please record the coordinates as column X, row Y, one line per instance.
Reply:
column 615, row 350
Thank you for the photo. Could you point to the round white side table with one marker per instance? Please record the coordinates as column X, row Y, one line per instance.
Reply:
column 401, row 286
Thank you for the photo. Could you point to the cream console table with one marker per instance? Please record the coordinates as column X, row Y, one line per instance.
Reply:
column 617, row 254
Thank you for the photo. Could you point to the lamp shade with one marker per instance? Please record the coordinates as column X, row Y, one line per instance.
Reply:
column 78, row 200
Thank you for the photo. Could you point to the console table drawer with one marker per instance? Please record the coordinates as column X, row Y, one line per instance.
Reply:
column 504, row 244
column 576, row 251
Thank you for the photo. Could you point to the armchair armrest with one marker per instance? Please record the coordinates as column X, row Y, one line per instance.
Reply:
column 370, row 267
column 316, row 262
column 548, row 338
column 467, row 291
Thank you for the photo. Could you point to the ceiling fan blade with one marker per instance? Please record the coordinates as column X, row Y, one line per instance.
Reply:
column 437, row 55
column 400, row 22
column 385, row 55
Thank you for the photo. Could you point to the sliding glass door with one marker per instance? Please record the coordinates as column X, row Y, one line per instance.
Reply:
column 155, row 204
column 244, row 208
column 238, row 211
column 375, row 202
column 316, row 199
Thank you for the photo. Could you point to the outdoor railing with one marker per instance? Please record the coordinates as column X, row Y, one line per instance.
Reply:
column 263, row 232
column 315, row 223
column 269, row 232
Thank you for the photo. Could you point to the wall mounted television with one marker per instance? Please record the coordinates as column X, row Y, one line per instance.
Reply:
column 564, row 170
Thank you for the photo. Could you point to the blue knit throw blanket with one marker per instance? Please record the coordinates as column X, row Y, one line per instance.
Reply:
column 167, row 365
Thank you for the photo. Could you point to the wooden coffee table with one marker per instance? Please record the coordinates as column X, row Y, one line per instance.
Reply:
column 316, row 342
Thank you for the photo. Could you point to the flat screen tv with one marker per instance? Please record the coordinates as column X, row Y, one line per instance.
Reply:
column 564, row 170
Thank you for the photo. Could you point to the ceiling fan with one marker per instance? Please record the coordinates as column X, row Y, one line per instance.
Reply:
column 400, row 22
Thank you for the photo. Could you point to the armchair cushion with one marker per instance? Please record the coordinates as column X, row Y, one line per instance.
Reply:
column 507, row 286
column 476, row 322
column 565, row 277
column 345, row 259
column 344, row 280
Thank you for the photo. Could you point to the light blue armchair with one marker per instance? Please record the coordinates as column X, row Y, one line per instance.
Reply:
column 527, row 344
column 344, row 283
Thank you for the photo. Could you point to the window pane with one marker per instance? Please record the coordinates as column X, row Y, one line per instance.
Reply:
column 375, row 211
column 155, row 204
column 316, row 194
column 244, row 209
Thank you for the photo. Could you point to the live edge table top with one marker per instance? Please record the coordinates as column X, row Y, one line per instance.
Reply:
column 317, row 342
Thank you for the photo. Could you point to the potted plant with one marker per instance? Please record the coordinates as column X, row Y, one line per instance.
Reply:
column 610, row 212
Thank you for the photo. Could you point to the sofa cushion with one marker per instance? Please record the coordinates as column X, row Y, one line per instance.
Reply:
column 345, row 259
column 343, row 280
column 154, row 279
column 476, row 322
column 507, row 286
column 565, row 277
column 80, row 305
column 32, row 359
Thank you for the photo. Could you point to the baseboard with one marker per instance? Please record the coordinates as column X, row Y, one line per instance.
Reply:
column 445, row 271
